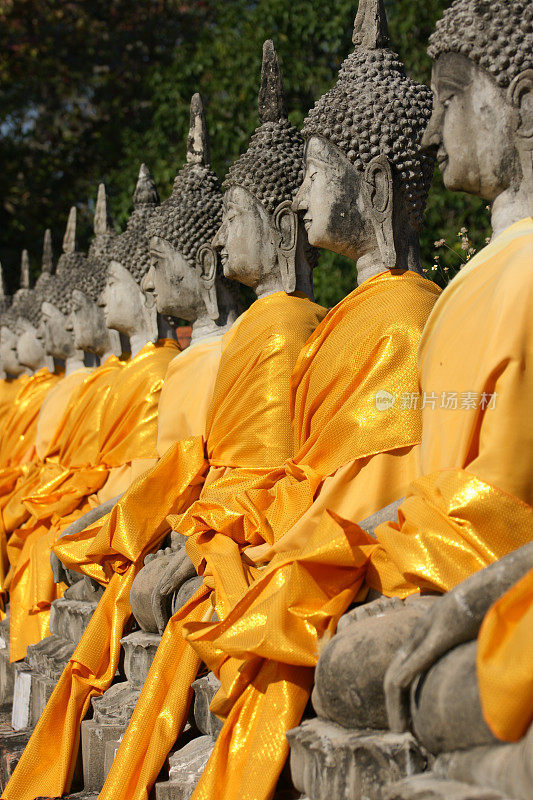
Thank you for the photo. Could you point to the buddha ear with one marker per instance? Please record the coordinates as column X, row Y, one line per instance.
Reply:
column 378, row 189
column 520, row 95
column 206, row 267
column 286, row 225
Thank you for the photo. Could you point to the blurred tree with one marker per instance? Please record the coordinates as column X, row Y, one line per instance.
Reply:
column 90, row 88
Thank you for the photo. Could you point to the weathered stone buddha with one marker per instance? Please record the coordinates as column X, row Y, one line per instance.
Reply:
column 248, row 434
column 473, row 505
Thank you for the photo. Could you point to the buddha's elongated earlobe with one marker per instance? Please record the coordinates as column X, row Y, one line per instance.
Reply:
column 286, row 225
column 206, row 265
column 378, row 190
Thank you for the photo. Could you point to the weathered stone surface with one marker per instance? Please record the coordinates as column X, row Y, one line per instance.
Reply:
column 94, row 737
column 7, row 669
column 351, row 669
column 329, row 762
column 12, row 744
column 430, row 787
column 204, row 690
column 186, row 767
column 451, row 685
column 113, row 709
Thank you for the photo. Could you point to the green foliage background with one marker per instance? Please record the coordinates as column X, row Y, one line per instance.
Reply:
column 91, row 88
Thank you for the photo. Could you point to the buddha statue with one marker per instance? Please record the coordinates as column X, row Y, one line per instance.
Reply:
column 126, row 308
column 9, row 384
column 471, row 510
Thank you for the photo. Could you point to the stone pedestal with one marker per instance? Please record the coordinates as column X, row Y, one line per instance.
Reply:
column 329, row 762
column 430, row 787
column 101, row 736
column 188, row 762
column 37, row 675
column 7, row 670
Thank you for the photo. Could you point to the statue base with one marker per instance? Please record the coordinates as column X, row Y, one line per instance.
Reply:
column 329, row 762
column 188, row 762
column 101, row 736
column 7, row 669
column 37, row 675
column 431, row 787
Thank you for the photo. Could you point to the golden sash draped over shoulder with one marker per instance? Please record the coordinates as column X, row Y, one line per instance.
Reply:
column 365, row 345
column 8, row 392
column 473, row 504
column 113, row 551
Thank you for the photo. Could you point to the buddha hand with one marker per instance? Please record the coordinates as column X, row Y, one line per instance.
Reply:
column 178, row 569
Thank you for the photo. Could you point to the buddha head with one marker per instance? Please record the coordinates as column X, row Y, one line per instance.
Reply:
column 482, row 122
column 261, row 240
column 55, row 293
column 86, row 318
column 185, row 277
column 126, row 308
column 366, row 176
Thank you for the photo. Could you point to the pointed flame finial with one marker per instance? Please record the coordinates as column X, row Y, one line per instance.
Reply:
column 145, row 191
column 271, row 105
column 371, row 30
column 198, row 139
column 47, row 264
column 69, row 239
column 25, row 270
column 102, row 219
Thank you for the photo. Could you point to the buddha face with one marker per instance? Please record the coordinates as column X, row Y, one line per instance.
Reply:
column 88, row 325
column 331, row 201
column 172, row 281
column 122, row 301
column 8, row 352
column 30, row 349
column 58, row 340
column 246, row 239
column 473, row 129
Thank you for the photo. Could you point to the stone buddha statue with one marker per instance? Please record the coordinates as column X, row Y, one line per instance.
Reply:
column 261, row 241
column 126, row 308
column 56, row 293
column 465, row 527
column 87, row 320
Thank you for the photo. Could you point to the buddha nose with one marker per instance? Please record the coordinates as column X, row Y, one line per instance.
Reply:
column 220, row 239
column 432, row 135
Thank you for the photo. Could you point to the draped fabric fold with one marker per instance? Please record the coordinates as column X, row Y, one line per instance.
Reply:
column 119, row 551
column 504, row 659
column 17, row 445
column 273, row 573
column 123, row 422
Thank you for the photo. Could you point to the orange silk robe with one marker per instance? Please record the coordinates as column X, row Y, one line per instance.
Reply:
column 127, row 432
column 8, row 392
column 17, row 444
column 252, row 394
column 339, row 434
column 474, row 503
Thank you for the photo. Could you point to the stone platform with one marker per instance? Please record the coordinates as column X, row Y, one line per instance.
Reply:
column 112, row 711
column 37, row 675
column 329, row 762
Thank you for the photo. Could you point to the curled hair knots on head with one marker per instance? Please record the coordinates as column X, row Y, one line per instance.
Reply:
column 374, row 109
column 57, row 290
column 25, row 304
column 131, row 248
column 497, row 35
column 192, row 214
